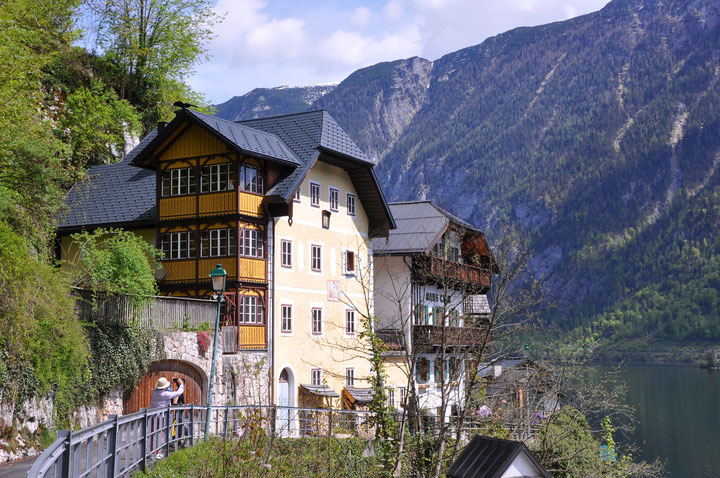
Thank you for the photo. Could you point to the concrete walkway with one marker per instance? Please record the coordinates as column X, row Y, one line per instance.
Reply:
column 17, row 469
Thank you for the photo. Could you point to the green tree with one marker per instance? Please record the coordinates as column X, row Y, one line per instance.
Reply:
column 154, row 45
column 42, row 346
column 117, row 262
column 95, row 125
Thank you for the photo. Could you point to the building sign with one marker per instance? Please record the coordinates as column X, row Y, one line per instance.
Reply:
column 432, row 297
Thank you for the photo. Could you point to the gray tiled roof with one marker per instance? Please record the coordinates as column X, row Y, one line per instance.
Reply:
column 111, row 194
column 486, row 457
column 419, row 224
column 140, row 146
column 306, row 134
column 248, row 139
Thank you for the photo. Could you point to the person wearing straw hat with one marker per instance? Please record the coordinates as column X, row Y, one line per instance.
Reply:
column 162, row 395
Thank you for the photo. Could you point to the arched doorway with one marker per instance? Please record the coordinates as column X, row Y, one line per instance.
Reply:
column 194, row 378
column 286, row 400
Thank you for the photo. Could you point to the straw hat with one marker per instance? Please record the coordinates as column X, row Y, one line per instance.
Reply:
column 162, row 383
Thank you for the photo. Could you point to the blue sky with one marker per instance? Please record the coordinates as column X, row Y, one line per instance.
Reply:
column 267, row 43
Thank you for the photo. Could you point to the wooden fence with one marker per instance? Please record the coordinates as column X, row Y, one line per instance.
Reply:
column 165, row 313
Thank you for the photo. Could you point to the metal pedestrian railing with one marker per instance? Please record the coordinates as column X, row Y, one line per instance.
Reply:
column 125, row 444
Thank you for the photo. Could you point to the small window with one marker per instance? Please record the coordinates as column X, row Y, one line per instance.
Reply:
column 349, row 263
column 286, row 255
column 215, row 177
column 218, row 242
column 350, row 377
column 439, row 370
column 178, row 245
column 391, row 397
column 403, row 396
column 315, row 194
column 316, row 376
column 351, row 204
column 251, row 310
column 316, row 258
column 350, row 322
column 296, row 196
column 178, row 182
column 251, row 243
column 422, row 370
column 286, row 326
column 317, row 321
column 251, row 180
column 334, row 199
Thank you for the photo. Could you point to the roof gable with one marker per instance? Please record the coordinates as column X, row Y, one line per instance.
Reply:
column 486, row 457
column 237, row 137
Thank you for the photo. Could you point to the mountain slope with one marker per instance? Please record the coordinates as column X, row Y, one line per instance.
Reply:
column 264, row 102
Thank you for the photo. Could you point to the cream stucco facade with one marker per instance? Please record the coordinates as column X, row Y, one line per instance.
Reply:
column 299, row 288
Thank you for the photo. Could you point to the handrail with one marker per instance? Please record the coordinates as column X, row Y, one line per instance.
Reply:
column 122, row 445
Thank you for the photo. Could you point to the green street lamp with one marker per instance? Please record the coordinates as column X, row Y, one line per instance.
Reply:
column 218, row 276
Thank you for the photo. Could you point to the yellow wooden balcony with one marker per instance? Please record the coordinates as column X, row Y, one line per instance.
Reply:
column 207, row 265
column 184, row 271
column 176, row 207
column 217, row 203
column 251, row 337
column 252, row 269
column 251, row 204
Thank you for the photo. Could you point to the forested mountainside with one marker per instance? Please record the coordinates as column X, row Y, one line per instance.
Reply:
column 264, row 102
column 598, row 136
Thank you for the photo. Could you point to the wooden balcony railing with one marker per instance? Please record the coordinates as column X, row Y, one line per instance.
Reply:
column 432, row 336
column 444, row 272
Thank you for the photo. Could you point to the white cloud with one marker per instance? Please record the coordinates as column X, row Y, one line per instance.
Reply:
column 361, row 16
column 394, row 8
column 264, row 44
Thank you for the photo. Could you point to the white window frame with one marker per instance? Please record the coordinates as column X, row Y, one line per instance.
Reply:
column 286, row 319
column 349, row 376
column 391, row 397
column 314, row 185
column 316, row 376
column 180, row 245
column 336, row 206
column 316, row 321
column 296, row 196
column 256, row 239
column 345, row 263
column 313, row 247
column 215, row 173
column 172, row 182
column 253, row 310
column 351, row 204
column 403, row 396
column 257, row 186
column 350, row 324
column 286, row 255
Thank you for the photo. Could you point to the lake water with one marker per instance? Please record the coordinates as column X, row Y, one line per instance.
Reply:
column 678, row 413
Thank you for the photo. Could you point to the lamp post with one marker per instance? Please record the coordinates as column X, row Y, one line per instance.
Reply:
column 218, row 277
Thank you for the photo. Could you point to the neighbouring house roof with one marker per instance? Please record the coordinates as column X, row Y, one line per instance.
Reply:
column 111, row 194
column 486, row 457
column 296, row 141
column 419, row 225
column 320, row 390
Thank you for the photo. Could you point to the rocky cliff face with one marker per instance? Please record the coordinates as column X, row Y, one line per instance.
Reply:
column 378, row 103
